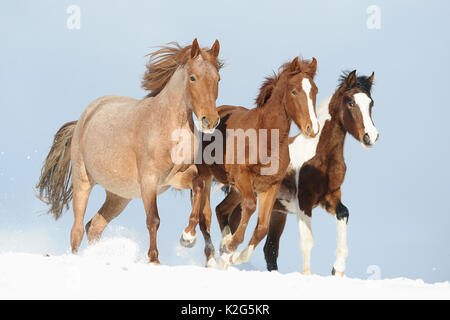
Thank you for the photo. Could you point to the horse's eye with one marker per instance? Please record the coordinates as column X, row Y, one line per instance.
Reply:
column 294, row 92
column 192, row 78
column 350, row 104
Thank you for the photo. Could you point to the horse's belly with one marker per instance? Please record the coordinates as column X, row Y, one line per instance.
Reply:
column 117, row 177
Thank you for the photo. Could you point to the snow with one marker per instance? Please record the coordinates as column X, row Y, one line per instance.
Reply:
column 116, row 269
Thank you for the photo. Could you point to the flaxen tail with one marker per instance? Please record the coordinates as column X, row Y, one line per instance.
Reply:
column 55, row 184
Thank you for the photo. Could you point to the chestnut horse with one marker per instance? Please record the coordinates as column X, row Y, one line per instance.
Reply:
column 288, row 96
column 317, row 170
column 125, row 145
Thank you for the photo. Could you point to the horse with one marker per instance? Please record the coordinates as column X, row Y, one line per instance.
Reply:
column 124, row 144
column 289, row 95
column 317, row 170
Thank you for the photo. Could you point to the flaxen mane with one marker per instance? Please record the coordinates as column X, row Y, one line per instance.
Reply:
column 165, row 61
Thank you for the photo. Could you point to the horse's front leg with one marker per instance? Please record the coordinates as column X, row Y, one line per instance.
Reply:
column 306, row 238
column 189, row 236
column 230, row 242
column 266, row 202
column 149, row 194
column 334, row 206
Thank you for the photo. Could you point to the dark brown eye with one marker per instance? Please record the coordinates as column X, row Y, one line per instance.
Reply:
column 294, row 92
column 192, row 78
column 350, row 104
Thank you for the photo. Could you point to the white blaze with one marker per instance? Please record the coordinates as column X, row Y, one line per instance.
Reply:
column 363, row 101
column 306, row 85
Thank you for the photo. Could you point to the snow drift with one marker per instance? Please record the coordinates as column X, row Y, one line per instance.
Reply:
column 116, row 269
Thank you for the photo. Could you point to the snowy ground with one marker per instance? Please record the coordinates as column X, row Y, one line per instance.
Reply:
column 115, row 268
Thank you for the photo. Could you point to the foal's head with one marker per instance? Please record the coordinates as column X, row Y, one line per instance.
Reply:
column 300, row 96
column 294, row 87
column 200, row 69
column 353, row 107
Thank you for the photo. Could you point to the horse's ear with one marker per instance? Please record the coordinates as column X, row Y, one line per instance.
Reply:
column 295, row 65
column 215, row 49
column 312, row 67
column 195, row 49
column 372, row 76
column 351, row 80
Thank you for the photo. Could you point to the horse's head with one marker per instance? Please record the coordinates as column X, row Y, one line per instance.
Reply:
column 202, row 81
column 300, row 95
column 355, row 105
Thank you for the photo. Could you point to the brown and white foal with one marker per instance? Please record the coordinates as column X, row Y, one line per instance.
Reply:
column 317, row 170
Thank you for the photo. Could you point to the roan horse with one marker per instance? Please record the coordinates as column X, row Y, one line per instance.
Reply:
column 288, row 96
column 317, row 170
column 124, row 144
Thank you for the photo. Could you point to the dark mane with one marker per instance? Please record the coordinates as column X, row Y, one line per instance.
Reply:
column 362, row 82
column 165, row 61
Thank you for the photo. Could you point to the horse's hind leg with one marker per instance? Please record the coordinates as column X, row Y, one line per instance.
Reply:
column 110, row 209
column 82, row 187
column 277, row 224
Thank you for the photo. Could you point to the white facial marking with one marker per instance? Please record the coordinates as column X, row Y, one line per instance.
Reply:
column 363, row 101
column 306, row 85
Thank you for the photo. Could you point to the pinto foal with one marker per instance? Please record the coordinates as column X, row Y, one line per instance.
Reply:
column 317, row 170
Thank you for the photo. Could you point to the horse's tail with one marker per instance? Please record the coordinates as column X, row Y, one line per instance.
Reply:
column 55, row 184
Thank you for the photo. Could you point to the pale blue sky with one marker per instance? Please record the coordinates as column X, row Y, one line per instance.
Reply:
column 396, row 192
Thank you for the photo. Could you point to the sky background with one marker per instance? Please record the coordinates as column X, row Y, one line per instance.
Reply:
column 397, row 192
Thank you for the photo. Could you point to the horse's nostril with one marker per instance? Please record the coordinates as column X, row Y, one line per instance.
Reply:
column 205, row 122
column 308, row 129
column 217, row 122
column 366, row 139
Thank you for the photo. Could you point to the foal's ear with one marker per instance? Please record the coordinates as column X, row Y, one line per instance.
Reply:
column 195, row 49
column 351, row 80
column 215, row 49
column 295, row 65
column 312, row 68
column 372, row 76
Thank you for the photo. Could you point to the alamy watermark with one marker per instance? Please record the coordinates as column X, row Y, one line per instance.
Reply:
column 243, row 147
column 374, row 19
column 74, row 19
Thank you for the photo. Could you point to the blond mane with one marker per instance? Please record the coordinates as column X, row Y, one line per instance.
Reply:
column 165, row 61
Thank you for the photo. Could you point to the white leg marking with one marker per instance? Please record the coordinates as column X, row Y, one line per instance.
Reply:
column 342, row 249
column 211, row 263
column 189, row 237
column 306, row 85
column 243, row 256
column 306, row 240
column 363, row 101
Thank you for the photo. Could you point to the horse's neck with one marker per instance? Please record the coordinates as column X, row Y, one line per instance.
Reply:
column 173, row 100
column 274, row 116
column 335, row 131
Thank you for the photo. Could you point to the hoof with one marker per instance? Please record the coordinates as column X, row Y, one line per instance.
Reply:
column 307, row 272
column 224, row 243
column 225, row 260
column 187, row 240
column 336, row 273
column 155, row 262
column 211, row 263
